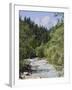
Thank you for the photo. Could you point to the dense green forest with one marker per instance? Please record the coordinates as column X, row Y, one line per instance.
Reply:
column 38, row 41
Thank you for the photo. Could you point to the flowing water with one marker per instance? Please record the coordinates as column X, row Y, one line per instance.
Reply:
column 41, row 69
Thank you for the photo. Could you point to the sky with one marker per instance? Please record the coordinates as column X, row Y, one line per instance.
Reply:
column 46, row 19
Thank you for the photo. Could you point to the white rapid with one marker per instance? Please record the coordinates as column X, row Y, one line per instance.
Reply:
column 41, row 69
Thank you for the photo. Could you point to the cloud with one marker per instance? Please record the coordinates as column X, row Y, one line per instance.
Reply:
column 42, row 21
column 48, row 21
column 37, row 20
column 45, row 20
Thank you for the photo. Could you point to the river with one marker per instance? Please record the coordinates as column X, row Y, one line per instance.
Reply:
column 42, row 69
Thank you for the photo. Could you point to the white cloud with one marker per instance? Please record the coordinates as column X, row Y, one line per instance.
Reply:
column 37, row 20
column 45, row 20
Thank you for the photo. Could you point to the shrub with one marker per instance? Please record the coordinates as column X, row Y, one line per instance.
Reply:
column 54, row 55
column 32, row 53
column 40, row 51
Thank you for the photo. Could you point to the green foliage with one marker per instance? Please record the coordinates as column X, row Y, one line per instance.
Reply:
column 40, row 51
column 54, row 50
column 30, row 37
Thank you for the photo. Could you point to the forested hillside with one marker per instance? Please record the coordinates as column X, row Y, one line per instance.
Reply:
column 38, row 41
column 31, row 36
column 54, row 49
